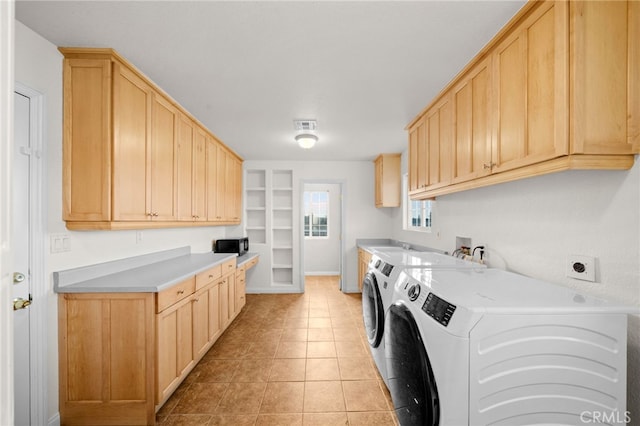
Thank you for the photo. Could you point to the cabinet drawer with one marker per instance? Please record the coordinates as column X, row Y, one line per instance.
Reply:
column 229, row 266
column 240, row 269
column 208, row 276
column 175, row 293
column 250, row 264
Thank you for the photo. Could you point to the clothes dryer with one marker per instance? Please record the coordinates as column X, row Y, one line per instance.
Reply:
column 480, row 347
column 378, row 288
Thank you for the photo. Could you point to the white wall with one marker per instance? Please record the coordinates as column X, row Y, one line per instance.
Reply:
column 322, row 255
column 38, row 65
column 530, row 226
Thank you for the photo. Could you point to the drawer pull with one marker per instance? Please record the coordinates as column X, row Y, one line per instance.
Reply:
column 210, row 276
column 180, row 291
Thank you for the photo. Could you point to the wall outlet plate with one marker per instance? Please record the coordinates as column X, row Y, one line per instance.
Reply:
column 581, row 267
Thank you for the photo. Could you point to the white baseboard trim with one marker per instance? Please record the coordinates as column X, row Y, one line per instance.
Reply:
column 55, row 420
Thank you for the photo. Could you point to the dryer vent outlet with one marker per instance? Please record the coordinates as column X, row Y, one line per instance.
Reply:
column 581, row 267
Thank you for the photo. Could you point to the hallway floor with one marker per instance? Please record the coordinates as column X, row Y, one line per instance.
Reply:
column 287, row 359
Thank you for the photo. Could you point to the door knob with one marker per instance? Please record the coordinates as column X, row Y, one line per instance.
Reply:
column 20, row 303
column 18, row 277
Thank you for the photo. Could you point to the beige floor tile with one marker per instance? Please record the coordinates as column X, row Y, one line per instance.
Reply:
column 187, row 420
column 227, row 350
column 364, row 395
column 261, row 350
column 321, row 350
column 323, row 397
column 291, row 350
column 215, row 370
column 283, row 397
column 171, row 403
column 342, row 321
column 279, row 419
column 318, row 312
column 371, row 418
column 322, row 369
column 253, row 370
column 267, row 335
column 319, row 323
column 325, row 419
column 320, row 335
column 242, row 398
column 342, row 334
column 234, row 420
column 346, row 349
column 288, row 370
column 356, row 369
column 201, row 398
column 296, row 322
column 294, row 335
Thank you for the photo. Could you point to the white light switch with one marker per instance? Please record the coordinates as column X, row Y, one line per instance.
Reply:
column 60, row 243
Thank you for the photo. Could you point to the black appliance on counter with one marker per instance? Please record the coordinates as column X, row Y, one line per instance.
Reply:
column 232, row 245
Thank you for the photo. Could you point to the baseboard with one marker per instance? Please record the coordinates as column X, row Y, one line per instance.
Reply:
column 55, row 420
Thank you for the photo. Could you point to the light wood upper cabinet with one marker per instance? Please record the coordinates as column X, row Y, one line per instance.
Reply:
column 184, row 166
column 387, row 180
column 199, row 185
column 556, row 89
column 530, row 91
column 162, row 163
column 472, row 141
column 132, row 157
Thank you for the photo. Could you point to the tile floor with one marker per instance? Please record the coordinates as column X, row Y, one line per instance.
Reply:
column 287, row 359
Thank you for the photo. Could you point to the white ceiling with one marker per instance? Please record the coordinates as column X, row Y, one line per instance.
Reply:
column 246, row 70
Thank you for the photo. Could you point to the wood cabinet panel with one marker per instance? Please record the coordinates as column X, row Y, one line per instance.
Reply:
column 87, row 160
column 199, row 185
column 131, row 114
column 162, row 164
column 184, row 168
column 158, row 162
column 531, row 91
column 106, row 347
column 215, row 326
column 556, row 89
column 387, row 180
column 201, row 322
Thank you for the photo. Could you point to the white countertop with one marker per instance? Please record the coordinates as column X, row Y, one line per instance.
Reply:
column 148, row 273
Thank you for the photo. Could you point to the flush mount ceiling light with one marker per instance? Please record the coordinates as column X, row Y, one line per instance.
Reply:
column 306, row 140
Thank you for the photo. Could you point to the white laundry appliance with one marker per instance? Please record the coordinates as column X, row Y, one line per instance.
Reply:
column 378, row 288
column 480, row 347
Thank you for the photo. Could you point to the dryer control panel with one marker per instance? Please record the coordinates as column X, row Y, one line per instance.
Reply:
column 438, row 309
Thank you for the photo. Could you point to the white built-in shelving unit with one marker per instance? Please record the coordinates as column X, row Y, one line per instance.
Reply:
column 270, row 225
column 282, row 227
column 256, row 206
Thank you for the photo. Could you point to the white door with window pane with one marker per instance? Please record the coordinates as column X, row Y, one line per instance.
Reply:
column 321, row 228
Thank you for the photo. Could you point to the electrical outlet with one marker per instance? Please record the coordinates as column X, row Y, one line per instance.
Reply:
column 581, row 267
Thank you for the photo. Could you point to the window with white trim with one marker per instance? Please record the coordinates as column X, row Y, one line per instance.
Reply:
column 417, row 213
column 316, row 214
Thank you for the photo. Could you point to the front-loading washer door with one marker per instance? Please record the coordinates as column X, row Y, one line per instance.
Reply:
column 372, row 310
column 411, row 381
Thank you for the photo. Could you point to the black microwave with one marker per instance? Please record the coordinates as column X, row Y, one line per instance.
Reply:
column 232, row 245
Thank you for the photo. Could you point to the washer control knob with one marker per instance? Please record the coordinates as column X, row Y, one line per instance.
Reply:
column 413, row 292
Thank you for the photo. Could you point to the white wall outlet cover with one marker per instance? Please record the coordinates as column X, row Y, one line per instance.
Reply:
column 581, row 267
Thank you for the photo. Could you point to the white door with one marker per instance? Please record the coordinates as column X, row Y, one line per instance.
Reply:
column 21, row 259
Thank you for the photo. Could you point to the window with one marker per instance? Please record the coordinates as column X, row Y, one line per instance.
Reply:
column 417, row 215
column 316, row 214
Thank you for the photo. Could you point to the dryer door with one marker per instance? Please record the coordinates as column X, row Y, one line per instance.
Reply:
column 372, row 309
column 411, row 381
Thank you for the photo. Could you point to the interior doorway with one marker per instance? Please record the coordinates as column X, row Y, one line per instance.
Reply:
column 27, row 234
column 322, row 229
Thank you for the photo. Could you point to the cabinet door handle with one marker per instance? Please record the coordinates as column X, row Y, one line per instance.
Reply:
column 180, row 291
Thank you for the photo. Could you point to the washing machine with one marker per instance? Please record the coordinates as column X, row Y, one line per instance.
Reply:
column 378, row 288
column 479, row 347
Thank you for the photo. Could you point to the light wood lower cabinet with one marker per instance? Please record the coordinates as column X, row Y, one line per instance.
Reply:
column 122, row 355
column 364, row 257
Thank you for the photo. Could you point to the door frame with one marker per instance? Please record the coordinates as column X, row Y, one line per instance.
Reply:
column 342, row 184
column 38, row 214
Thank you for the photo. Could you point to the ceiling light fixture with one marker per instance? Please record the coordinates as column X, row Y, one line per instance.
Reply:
column 306, row 140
